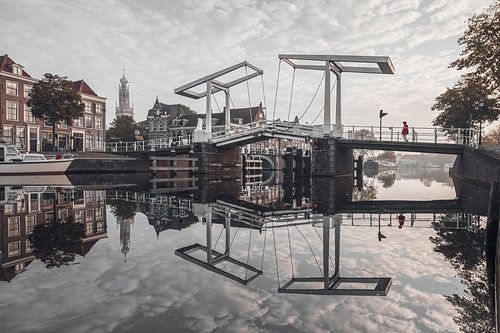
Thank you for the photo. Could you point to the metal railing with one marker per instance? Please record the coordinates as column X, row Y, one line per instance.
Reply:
column 435, row 135
column 149, row 145
column 459, row 136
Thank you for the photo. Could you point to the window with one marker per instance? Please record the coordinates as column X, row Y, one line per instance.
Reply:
column 98, row 123
column 89, row 228
column 49, row 217
column 16, row 69
column 14, row 248
column 63, row 214
column 35, row 203
column 27, row 90
column 13, row 226
column 29, row 246
column 28, row 115
column 47, row 123
column 89, row 142
column 30, row 222
column 87, row 107
column 20, row 138
column 62, row 124
column 98, row 141
column 89, row 216
column 98, row 108
column 21, row 205
column 78, row 216
column 8, row 134
column 78, row 122
column 89, row 121
column 11, row 88
column 98, row 213
column 101, row 227
column 94, row 108
column 12, row 111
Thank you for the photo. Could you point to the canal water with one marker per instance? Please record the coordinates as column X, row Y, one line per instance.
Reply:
column 228, row 257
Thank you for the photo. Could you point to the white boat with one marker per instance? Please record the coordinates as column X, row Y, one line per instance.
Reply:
column 13, row 162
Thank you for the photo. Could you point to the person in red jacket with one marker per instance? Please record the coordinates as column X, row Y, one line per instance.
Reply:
column 405, row 131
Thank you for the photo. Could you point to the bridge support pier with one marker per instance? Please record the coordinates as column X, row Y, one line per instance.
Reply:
column 329, row 159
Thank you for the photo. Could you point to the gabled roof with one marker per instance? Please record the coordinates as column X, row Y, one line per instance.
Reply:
column 247, row 116
column 5, row 65
column 161, row 109
column 82, row 87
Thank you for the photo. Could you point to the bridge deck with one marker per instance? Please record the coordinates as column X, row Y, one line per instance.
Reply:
column 418, row 147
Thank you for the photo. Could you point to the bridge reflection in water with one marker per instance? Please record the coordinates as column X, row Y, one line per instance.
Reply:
column 234, row 214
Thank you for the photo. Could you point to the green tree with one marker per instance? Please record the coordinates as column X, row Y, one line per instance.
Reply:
column 122, row 128
column 459, row 106
column 186, row 110
column 54, row 100
column 481, row 43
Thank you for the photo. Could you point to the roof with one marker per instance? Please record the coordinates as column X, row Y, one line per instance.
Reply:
column 160, row 109
column 5, row 65
column 82, row 87
column 247, row 115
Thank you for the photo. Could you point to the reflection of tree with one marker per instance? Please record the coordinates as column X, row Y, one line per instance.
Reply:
column 369, row 192
column 55, row 243
column 122, row 208
column 464, row 251
column 387, row 180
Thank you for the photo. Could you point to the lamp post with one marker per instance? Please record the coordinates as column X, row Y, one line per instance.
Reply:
column 381, row 115
column 481, row 109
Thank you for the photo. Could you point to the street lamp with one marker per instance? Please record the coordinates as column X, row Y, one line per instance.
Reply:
column 481, row 109
column 381, row 115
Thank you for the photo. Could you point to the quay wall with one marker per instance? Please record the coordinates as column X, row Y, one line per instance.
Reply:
column 117, row 164
column 477, row 166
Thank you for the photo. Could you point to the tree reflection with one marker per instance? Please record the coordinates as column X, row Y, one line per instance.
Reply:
column 122, row 208
column 369, row 192
column 56, row 242
column 387, row 180
column 464, row 251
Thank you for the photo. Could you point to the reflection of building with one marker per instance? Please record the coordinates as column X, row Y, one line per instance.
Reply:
column 124, row 108
column 125, row 224
column 31, row 206
column 19, row 127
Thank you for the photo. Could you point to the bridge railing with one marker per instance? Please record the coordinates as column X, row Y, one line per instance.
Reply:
column 148, row 145
column 436, row 135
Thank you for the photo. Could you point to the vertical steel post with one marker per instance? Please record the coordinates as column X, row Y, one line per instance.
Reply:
column 326, row 251
column 338, row 105
column 208, row 117
column 228, row 110
column 209, row 237
column 326, row 110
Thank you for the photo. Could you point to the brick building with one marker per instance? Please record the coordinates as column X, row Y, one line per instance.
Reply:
column 21, row 209
column 20, row 128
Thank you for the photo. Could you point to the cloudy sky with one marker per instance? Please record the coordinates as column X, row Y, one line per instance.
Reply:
column 165, row 44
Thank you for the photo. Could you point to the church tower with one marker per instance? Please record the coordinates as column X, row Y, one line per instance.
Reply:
column 124, row 108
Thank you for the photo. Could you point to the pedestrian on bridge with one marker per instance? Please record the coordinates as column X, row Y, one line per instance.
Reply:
column 401, row 220
column 405, row 131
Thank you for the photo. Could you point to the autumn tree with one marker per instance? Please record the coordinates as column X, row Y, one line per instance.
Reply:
column 122, row 128
column 493, row 136
column 55, row 100
column 481, row 43
column 460, row 106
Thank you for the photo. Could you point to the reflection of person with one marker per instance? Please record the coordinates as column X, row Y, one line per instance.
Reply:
column 405, row 131
column 401, row 219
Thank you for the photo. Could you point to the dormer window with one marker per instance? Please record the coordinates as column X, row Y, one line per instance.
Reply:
column 17, row 69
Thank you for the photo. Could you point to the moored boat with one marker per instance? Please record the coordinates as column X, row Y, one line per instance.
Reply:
column 13, row 162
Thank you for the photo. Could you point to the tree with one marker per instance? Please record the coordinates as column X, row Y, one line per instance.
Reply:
column 493, row 137
column 122, row 128
column 459, row 106
column 185, row 110
column 54, row 100
column 481, row 43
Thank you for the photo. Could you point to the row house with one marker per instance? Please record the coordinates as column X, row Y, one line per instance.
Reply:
column 21, row 209
column 28, row 133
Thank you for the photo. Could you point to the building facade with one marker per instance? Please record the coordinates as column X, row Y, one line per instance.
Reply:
column 28, row 133
column 23, row 208
column 123, row 108
column 166, row 121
